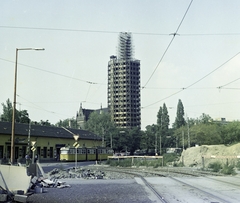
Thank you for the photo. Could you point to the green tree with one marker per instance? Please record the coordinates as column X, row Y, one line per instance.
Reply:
column 163, row 127
column 102, row 125
column 67, row 123
column 135, row 139
column 201, row 134
column 205, row 119
column 20, row 116
column 151, row 137
column 7, row 111
column 42, row 122
column 231, row 132
column 206, row 134
column 179, row 121
column 144, row 140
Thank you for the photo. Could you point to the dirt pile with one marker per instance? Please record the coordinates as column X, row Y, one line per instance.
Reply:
column 211, row 153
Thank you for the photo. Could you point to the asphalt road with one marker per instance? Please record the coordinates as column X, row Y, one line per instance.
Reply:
column 92, row 191
column 174, row 190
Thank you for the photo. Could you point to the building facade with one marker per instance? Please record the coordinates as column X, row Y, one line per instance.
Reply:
column 83, row 115
column 48, row 140
column 124, row 85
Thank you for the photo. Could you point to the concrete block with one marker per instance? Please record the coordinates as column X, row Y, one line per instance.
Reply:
column 16, row 177
column 20, row 198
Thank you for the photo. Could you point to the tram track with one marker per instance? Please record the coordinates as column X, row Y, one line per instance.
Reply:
column 146, row 183
column 182, row 177
column 199, row 190
column 225, row 182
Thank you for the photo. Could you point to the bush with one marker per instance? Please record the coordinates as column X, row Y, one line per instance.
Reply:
column 180, row 164
column 228, row 170
column 170, row 158
column 125, row 163
column 140, row 162
column 216, row 166
column 238, row 165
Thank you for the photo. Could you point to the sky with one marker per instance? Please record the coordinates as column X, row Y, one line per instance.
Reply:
column 199, row 64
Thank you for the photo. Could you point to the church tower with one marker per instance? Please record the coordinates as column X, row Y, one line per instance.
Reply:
column 80, row 118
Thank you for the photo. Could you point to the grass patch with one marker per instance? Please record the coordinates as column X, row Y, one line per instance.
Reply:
column 138, row 162
column 147, row 162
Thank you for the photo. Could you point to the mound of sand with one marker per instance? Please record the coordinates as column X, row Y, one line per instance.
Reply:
column 211, row 153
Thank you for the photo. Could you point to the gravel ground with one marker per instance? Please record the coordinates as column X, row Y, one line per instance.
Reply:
column 92, row 184
column 87, row 191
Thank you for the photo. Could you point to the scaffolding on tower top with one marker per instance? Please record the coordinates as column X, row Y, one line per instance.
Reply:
column 125, row 49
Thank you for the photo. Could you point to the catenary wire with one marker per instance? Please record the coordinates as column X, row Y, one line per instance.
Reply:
column 220, row 87
column 164, row 53
column 213, row 70
column 115, row 32
column 47, row 71
column 58, row 74
column 193, row 82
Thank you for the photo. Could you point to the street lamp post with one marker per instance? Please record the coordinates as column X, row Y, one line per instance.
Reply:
column 14, row 102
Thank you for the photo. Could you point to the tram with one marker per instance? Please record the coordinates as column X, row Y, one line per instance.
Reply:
column 85, row 154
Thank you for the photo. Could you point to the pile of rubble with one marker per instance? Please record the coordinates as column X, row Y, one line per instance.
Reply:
column 86, row 173
column 39, row 181
column 17, row 183
column 37, row 185
column 78, row 173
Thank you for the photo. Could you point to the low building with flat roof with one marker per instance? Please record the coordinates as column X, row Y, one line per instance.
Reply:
column 48, row 140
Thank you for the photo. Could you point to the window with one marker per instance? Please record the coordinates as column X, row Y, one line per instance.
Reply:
column 44, row 152
column 51, row 152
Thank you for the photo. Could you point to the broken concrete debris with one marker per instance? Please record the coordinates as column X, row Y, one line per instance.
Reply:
column 38, row 184
column 17, row 182
column 79, row 173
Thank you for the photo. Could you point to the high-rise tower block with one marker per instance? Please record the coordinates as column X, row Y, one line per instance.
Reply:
column 124, row 85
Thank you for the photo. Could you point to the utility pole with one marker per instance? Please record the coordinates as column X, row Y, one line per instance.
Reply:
column 183, row 139
column 160, row 137
column 160, row 144
column 102, row 137
column 29, row 137
column 189, row 145
column 156, row 143
column 111, row 140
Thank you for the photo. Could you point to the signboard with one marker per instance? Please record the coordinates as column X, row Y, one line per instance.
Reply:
column 76, row 145
column 33, row 146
